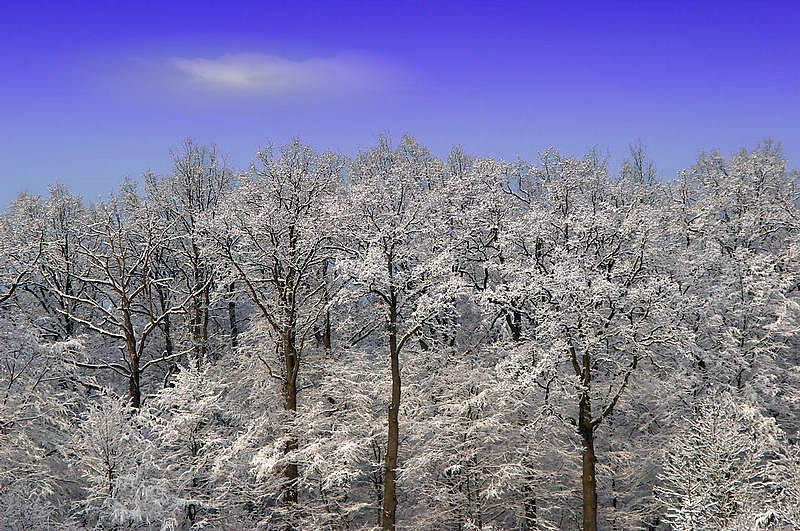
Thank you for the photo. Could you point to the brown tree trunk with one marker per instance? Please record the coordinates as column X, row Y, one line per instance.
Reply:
column 326, row 335
column 232, row 317
column 290, row 472
column 292, row 367
column 69, row 325
column 199, row 313
column 588, row 477
column 514, row 321
column 326, row 331
column 531, row 507
column 199, row 330
column 134, row 388
column 389, row 488
column 206, row 306
column 166, row 328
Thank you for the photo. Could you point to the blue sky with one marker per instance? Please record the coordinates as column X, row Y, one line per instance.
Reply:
column 90, row 93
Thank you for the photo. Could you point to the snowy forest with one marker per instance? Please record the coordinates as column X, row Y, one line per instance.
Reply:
column 402, row 341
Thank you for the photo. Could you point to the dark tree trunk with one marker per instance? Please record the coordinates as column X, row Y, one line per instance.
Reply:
column 389, row 487
column 290, row 471
column 588, row 477
column 326, row 334
column 69, row 326
column 531, row 507
column 291, row 366
column 198, row 346
column 199, row 312
column 167, row 328
column 232, row 317
column 206, row 315
column 134, row 388
column 168, row 348
column 514, row 321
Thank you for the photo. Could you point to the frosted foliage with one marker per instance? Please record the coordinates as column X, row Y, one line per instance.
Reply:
column 719, row 471
column 404, row 341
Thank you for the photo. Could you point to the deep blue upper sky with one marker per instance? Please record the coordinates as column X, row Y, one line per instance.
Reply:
column 90, row 93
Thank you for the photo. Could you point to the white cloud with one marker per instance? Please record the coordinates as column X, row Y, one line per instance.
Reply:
column 259, row 73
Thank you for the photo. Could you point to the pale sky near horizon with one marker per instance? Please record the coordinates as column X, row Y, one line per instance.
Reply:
column 92, row 92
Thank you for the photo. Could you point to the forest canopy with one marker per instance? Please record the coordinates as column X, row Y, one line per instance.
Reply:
column 398, row 340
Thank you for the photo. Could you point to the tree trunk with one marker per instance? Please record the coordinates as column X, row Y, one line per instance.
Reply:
column 290, row 472
column 531, row 507
column 166, row 329
column 133, row 381
column 292, row 367
column 168, row 349
column 197, row 333
column 514, row 321
column 588, row 478
column 326, row 332
column 206, row 312
column 134, row 388
column 326, row 335
column 389, row 489
column 199, row 311
column 232, row 317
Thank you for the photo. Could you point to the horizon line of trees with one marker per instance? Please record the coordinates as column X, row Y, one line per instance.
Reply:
column 403, row 341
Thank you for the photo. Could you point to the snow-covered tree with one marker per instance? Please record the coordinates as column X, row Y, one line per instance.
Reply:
column 404, row 341
column 716, row 469
column 396, row 254
column 113, row 454
column 274, row 238
column 118, row 241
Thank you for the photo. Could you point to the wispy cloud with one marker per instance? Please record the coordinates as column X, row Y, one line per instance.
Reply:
column 270, row 74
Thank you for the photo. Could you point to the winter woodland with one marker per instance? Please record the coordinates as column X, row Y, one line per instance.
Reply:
column 402, row 341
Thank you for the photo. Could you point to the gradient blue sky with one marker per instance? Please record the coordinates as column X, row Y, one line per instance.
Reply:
column 90, row 93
